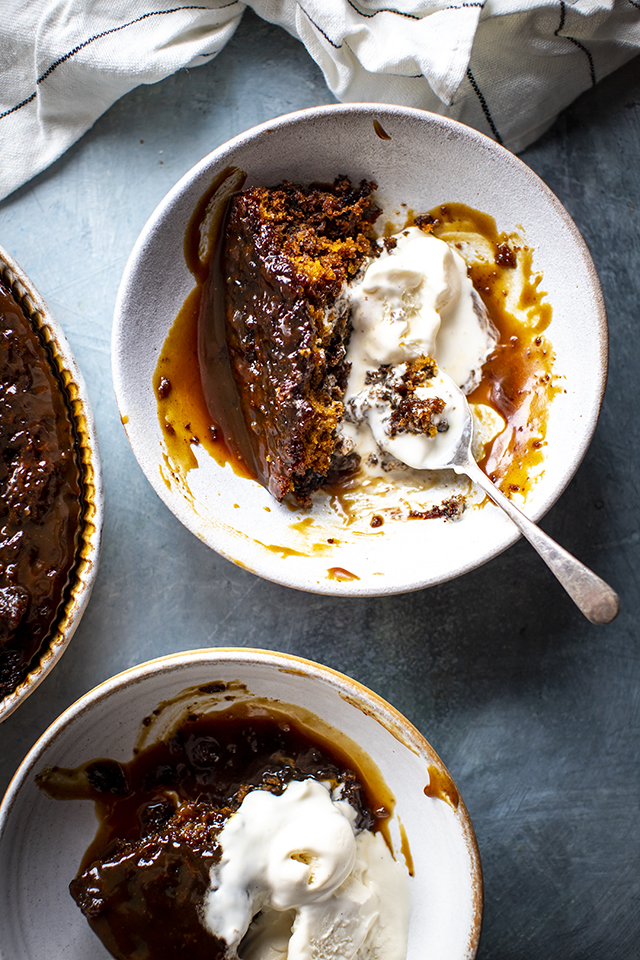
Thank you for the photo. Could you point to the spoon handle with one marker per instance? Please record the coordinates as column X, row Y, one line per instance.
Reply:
column 594, row 597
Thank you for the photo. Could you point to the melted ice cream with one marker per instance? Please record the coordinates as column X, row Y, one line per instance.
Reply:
column 317, row 890
column 415, row 300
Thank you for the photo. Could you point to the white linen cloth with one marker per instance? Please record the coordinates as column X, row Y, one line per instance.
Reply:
column 506, row 67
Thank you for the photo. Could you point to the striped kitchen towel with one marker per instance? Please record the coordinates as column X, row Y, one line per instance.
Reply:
column 506, row 67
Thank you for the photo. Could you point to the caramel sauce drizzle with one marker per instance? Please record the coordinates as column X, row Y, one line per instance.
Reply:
column 340, row 574
column 182, row 409
column 182, row 406
column 405, row 849
column 518, row 381
column 442, row 787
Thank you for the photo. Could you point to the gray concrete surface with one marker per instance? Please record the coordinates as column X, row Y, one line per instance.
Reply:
column 535, row 711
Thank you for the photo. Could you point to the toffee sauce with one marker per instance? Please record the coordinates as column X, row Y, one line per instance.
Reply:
column 185, row 396
column 340, row 574
column 143, row 879
column 380, row 131
column 182, row 408
column 442, row 787
column 517, row 379
column 405, row 849
column 40, row 493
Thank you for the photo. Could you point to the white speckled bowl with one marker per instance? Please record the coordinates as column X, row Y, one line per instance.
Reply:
column 72, row 386
column 428, row 160
column 42, row 840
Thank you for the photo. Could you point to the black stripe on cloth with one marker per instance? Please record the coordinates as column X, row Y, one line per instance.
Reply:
column 484, row 105
column 408, row 16
column 99, row 36
column 338, row 46
column 580, row 46
column 413, row 16
column 20, row 105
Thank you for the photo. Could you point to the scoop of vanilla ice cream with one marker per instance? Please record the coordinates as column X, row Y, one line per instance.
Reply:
column 366, row 918
column 417, row 300
column 397, row 305
column 281, row 851
column 319, row 892
column 414, row 300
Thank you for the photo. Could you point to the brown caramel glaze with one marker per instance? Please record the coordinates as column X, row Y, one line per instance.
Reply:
column 406, row 850
column 143, row 879
column 340, row 574
column 442, row 787
column 380, row 131
column 517, row 379
column 214, row 363
column 282, row 551
column 206, row 224
column 183, row 408
column 40, row 494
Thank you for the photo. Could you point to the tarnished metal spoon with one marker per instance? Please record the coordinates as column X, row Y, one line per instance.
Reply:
column 595, row 598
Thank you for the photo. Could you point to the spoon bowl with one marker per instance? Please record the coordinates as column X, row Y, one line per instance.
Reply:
column 452, row 450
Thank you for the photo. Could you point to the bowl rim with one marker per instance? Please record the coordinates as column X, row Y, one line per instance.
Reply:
column 73, row 387
column 378, row 708
column 453, row 129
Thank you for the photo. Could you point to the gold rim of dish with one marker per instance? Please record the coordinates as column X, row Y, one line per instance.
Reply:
column 73, row 389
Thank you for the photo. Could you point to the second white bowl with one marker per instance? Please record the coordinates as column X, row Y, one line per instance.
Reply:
column 42, row 840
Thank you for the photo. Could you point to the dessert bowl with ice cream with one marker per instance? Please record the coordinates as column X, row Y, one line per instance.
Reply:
column 313, row 321
column 236, row 803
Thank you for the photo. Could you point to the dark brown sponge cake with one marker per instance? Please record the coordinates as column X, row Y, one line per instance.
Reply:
column 288, row 251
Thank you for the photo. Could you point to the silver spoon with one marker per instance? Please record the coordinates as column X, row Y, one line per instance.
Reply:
column 595, row 598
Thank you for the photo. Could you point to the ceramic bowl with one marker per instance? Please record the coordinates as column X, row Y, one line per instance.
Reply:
column 425, row 161
column 42, row 840
column 72, row 386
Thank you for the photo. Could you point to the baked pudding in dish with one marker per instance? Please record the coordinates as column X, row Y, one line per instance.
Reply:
column 245, row 833
column 315, row 337
column 50, row 498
